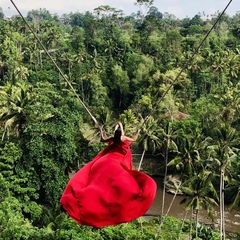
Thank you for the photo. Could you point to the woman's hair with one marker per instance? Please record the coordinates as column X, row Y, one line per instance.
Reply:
column 117, row 136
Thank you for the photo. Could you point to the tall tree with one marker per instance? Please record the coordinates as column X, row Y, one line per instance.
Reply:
column 150, row 138
column 121, row 85
column 14, row 100
column 200, row 193
column 225, row 153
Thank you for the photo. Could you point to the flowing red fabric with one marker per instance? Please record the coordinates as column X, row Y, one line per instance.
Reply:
column 106, row 191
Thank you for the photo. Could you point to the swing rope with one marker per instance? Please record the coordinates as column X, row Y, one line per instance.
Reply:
column 55, row 64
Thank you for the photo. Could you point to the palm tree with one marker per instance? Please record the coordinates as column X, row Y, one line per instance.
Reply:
column 14, row 98
column 21, row 73
column 169, row 145
column 225, row 153
column 219, row 66
column 236, row 185
column 195, row 66
column 190, row 150
column 121, row 83
column 198, row 190
column 150, row 138
column 106, row 121
column 233, row 66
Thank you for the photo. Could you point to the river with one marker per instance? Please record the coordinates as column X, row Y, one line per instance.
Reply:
column 232, row 219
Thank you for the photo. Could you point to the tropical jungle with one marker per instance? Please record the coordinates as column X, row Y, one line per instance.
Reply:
column 122, row 68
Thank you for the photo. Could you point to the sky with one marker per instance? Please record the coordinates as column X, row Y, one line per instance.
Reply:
column 179, row 8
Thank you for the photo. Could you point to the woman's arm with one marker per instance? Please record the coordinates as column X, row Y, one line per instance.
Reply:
column 133, row 139
column 104, row 139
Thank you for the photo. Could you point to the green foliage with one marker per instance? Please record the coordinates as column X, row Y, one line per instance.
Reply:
column 125, row 231
column 50, row 143
column 15, row 182
column 171, row 229
column 4, row 188
column 205, row 233
column 13, row 224
column 9, row 155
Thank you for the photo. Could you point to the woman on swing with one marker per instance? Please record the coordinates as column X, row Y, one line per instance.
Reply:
column 119, row 142
column 106, row 191
column 119, row 135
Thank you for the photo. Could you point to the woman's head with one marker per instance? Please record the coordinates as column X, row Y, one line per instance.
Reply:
column 117, row 135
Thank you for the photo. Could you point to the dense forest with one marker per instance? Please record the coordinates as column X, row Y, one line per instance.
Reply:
column 122, row 68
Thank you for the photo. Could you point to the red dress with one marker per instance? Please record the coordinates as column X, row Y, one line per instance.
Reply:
column 106, row 191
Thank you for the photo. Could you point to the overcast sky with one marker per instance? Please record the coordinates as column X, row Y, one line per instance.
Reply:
column 180, row 8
